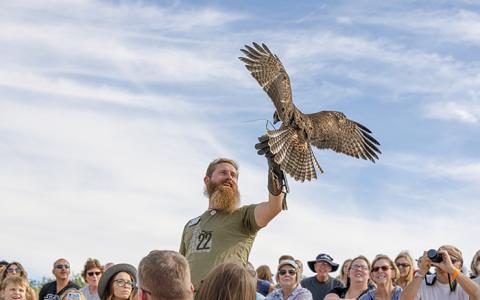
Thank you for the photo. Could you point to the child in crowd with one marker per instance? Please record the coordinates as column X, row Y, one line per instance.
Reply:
column 14, row 288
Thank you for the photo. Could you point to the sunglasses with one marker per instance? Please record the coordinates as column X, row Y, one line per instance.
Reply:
column 290, row 272
column 122, row 283
column 383, row 268
column 14, row 270
column 404, row 266
column 94, row 273
column 62, row 267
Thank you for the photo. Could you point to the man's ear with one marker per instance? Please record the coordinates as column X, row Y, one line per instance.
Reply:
column 206, row 179
column 192, row 288
column 143, row 296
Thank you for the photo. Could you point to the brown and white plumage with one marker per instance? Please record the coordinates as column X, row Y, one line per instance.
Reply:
column 325, row 129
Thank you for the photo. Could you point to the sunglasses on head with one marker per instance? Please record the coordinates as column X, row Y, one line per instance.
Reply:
column 60, row 266
column 94, row 273
column 290, row 272
column 383, row 268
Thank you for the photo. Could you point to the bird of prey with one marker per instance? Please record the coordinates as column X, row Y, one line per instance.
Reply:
column 291, row 143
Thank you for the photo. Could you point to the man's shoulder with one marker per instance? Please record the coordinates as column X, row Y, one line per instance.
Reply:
column 308, row 281
column 49, row 285
column 72, row 284
column 247, row 207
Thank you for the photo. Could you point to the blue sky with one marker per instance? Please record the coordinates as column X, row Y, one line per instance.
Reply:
column 110, row 112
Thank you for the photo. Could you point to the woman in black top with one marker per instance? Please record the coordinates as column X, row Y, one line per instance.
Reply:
column 357, row 281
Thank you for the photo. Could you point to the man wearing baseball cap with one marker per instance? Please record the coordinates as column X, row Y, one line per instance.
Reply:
column 322, row 283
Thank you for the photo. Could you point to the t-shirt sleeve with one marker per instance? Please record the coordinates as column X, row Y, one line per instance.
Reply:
column 248, row 219
column 182, row 249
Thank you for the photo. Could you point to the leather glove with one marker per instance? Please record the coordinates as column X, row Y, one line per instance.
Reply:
column 276, row 177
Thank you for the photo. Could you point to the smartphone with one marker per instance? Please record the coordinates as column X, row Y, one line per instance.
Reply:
column 73, row 296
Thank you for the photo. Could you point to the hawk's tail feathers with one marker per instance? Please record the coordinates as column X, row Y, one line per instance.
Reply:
column 294, row 156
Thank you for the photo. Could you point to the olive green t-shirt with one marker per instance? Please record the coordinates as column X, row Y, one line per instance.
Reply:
column 216, row 237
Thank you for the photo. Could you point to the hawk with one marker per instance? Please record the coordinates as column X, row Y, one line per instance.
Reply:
column 291, row 143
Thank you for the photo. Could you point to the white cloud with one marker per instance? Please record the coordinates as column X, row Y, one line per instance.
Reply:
column 457, row 111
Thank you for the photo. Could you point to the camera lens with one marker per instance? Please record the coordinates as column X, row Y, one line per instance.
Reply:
column 434, row 256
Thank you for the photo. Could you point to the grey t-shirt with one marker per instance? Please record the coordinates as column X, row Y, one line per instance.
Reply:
column 320, row 289
column 90, row 296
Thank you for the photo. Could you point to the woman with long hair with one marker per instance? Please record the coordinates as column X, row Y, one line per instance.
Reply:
column 16, row 269
column 357, row 281
column 228, row 281
column 118, row 282
column 404, row 263
column 475, row 267
column 383, row 273
column 344, row 271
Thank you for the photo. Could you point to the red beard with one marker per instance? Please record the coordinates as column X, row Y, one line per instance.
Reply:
column 223, row 197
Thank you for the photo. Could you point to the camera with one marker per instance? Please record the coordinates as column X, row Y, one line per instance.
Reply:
column 434, row 256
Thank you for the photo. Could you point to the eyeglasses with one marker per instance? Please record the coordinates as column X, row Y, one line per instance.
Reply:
column 14, row 270
column 62, row 267
column 359, row 267
column 94, row 273
column 383, row 268
column 290, row 272
column 122, row 283
column 403, row 266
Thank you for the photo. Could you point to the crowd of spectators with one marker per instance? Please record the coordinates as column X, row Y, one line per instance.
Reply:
column 164, row 274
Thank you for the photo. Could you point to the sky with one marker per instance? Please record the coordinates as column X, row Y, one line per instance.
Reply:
column 110, row 112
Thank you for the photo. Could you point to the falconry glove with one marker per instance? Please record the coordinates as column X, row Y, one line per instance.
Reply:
column 277, row 182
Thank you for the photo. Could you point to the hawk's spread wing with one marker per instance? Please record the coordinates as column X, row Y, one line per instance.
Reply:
column 268, row 70
column 332, row 130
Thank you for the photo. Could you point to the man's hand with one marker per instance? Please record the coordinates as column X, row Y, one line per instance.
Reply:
column 425, row 263
column 276, row 177
column 446, row 263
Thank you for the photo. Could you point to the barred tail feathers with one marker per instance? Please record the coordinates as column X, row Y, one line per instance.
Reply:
column 294, row 156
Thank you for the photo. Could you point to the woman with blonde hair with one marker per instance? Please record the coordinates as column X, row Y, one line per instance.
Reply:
column 72, row 294
column 288, row 277
column 404, row 263
column 384, row 272
column 16, row 269
column 343, row 276
column 475, row 267
column 228, row 281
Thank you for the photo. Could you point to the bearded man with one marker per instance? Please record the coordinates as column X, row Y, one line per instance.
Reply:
column 226, row 231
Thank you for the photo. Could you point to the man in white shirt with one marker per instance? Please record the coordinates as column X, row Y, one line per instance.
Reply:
column 447, row 283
